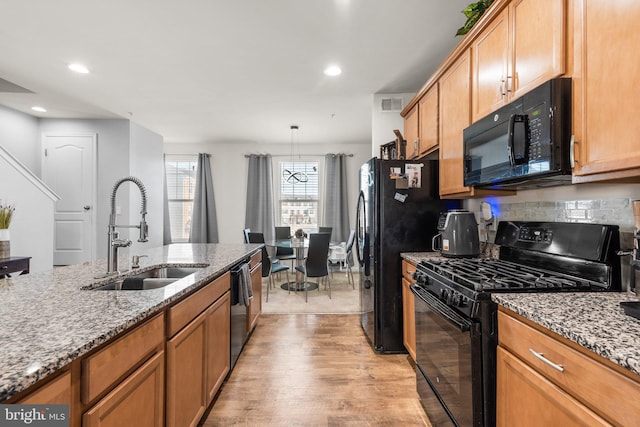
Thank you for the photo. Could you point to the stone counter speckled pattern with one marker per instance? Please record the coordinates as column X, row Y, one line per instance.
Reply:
column 47, row 321
column 594, row 320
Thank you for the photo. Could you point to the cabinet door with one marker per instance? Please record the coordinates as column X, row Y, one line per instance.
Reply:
column 137, row 401
column 490, row 59
column 57, row 391
column 411, row 133
column 525, row 398
column 537, row 44
column 606, row 88
column 428, row 121
column 255, row 305
column 218, row 344
column 409, row 319
column 186, row 369
column 454, row 118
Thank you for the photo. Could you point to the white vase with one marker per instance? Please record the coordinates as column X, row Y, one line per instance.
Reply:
column 4, row 243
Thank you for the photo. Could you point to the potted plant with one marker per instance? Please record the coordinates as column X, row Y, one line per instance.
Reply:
column 473, row 12
column 6, row 212
column 300, row 234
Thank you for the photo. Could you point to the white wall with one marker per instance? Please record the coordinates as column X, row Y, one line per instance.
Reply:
column 146, row 163
column 32, row 222
column 18, row 134
column 229, row 170
column 383, row 123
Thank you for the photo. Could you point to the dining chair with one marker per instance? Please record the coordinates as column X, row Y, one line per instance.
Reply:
column 326, row 230
column 246, row 232
column 282, row 254
column 316, row 264
column 349, row 257
column 268, row 267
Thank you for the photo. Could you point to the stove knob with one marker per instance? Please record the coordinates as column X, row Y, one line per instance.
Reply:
column 444, row 294
column 460, row 302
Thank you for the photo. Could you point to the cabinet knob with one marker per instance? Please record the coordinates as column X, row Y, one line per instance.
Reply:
column 86, row 207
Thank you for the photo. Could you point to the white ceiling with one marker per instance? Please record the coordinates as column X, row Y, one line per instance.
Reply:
column 223, row 71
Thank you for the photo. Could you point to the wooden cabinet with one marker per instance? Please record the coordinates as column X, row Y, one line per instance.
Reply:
column 421, row 125
column 605, row 88
column 138, row 400
column 56, row 391
column 186, row 371
column 521, row 48
column 255, row 304
column 428, row 121
column 411, row 133
column 408, row 309
column 103, row 369
column 198, row 353
column 527, row 398
column 455, row 86
column 544, row 379
column 217, row 333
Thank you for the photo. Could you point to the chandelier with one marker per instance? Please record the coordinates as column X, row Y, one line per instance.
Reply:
column 292, row 176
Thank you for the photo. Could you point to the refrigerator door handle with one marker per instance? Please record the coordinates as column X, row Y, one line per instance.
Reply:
column 362, row 240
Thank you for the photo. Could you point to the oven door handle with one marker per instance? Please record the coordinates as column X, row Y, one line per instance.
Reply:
column 442, row 309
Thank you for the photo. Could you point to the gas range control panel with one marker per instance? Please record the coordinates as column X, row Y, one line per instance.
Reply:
column 535, row 234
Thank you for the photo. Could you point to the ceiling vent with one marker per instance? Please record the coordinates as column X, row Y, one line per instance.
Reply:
column 8, row 87
column 391, row 105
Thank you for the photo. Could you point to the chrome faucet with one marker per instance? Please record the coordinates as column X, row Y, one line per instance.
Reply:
column 114, row 241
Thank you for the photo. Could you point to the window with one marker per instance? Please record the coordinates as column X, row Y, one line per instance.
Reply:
column 181, row 182
column 299, row 197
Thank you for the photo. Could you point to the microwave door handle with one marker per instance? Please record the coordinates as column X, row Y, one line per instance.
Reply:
column 519, row 118
column 510, row 144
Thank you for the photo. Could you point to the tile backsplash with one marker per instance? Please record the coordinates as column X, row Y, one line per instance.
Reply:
column 603, row 211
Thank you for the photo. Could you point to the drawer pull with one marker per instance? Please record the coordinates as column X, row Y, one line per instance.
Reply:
column 547, row 361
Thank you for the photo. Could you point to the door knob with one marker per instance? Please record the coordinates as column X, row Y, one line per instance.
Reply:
column 86, row 207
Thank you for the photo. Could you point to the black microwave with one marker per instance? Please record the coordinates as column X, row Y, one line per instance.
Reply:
column 524, row 144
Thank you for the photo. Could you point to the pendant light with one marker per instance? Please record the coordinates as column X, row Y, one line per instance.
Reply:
column 292, row 176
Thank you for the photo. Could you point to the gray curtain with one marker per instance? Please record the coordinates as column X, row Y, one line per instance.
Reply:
column 204, row 222
column 260, row 215
column 335, row 207
column 166, row 232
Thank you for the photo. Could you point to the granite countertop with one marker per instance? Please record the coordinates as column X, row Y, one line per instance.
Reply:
column 593, row 320
column 47, row 320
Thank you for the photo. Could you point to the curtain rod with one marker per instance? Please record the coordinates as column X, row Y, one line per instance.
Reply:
column 289, row 155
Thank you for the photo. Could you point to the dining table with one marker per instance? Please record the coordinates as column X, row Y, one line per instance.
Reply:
column 298, row 245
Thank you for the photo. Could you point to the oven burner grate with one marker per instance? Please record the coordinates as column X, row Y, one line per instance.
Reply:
column 500, row 275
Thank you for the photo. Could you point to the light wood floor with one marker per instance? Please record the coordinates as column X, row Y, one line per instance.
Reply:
column 316, row 370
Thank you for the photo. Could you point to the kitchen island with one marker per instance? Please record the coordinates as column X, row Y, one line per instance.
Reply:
column 49, row 319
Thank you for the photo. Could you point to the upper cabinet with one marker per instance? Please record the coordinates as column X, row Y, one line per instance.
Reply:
column 605, row 90
column 520, row 48
column 411, row 133
column 455, row 114
column 421, row 125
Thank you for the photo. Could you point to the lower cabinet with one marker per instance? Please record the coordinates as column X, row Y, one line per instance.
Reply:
column 186, row 370
column 255, row 305
column 408, row 309
column 138, row 400
column 56, row 391
column 544, row 379
column 217, row 331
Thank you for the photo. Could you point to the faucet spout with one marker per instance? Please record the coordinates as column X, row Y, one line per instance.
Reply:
column 114, row 241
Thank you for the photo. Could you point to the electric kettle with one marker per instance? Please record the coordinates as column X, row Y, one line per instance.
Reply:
column 458, row 235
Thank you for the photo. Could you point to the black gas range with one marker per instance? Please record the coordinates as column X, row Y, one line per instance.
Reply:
column 456, row 325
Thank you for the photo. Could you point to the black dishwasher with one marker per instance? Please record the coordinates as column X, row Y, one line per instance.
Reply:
column 238, row 314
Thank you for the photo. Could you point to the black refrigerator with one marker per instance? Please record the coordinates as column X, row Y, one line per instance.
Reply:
column 397, row 211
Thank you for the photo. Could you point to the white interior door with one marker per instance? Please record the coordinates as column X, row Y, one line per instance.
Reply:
column 68, row 167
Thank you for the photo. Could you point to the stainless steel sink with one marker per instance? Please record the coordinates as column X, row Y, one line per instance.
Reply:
column 150, row 279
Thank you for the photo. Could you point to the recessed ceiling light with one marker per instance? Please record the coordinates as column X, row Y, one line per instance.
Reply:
column 79, row 68
column 333, row 70
column 39, row 109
